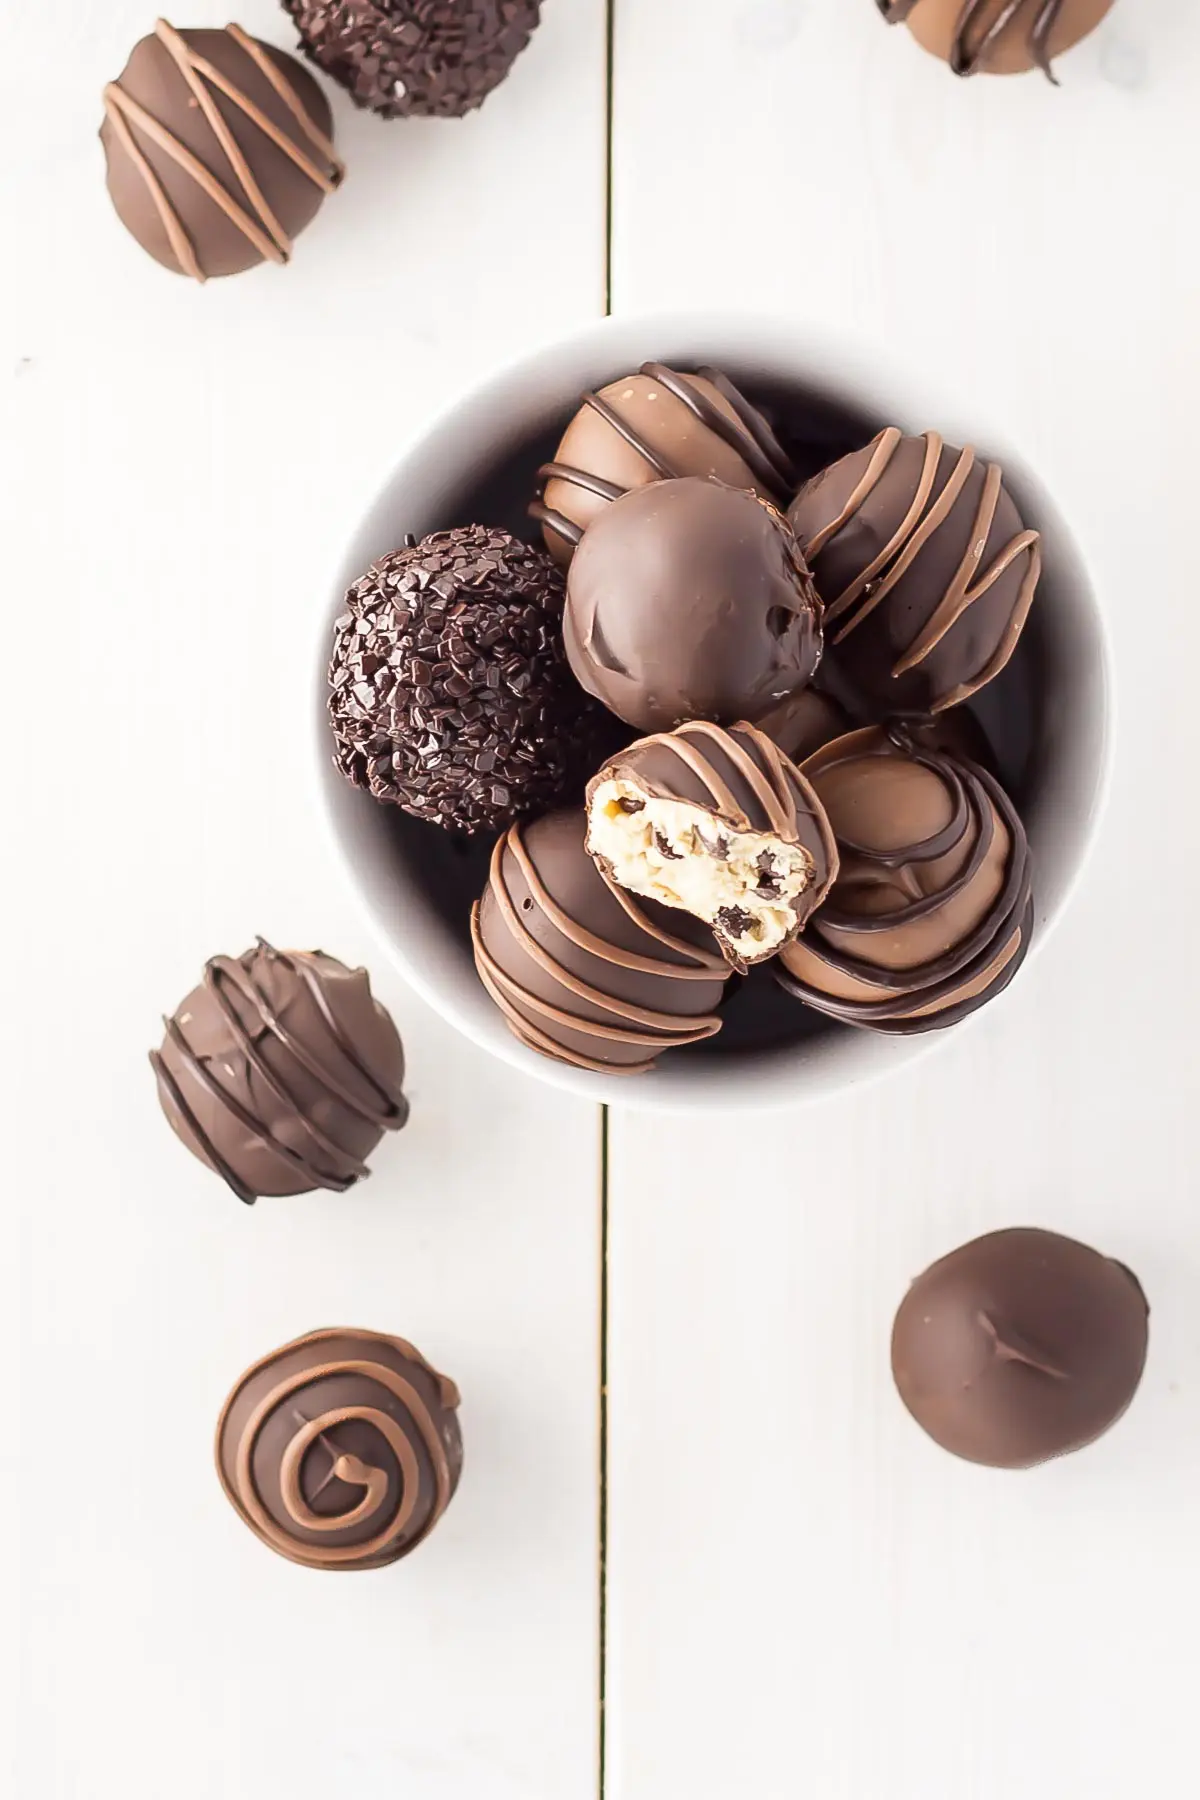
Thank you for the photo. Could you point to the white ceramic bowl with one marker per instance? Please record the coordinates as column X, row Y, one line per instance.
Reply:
column 1050, row 708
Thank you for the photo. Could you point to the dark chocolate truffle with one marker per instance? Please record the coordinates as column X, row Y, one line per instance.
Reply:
column 931, row 913
column 690, row 600
column 1021, row 1346
column 718, row 823
column 581, row 970
column 402, row 58
column 997, row 37
column 654, row 426
column 281, row 1072
column 925, row 569
column 341, row 1450
column 450, row 696
column 219, row 149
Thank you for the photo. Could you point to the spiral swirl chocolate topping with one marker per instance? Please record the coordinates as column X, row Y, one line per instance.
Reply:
column 341, row 1450
column 983, row 25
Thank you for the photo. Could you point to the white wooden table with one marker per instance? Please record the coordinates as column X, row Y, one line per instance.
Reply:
column 802, row 1596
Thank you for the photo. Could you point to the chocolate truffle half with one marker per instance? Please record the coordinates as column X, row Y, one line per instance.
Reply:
column 924, row 567
column 1021, row 1346
column 449, row 694
column 219, row 149
column 581, row 971
column 690, row 600
column 720, row 824
column 653, row 426
column 931, row 913
column 281, row 1072
column 341, row 1450
column 997, row 37
column 428, row 58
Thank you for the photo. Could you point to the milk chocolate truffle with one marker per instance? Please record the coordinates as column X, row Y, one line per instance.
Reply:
column 219, row 150
column 581, row 971
column 1021, row 1346
column 924, row 567
column 931, row 913
column 281, row 1072
column 449, row 694
column 690, row 600
column 653, row 426
column 402, row 58
column 341, row 1450
column 718, row 823
column 997, row 37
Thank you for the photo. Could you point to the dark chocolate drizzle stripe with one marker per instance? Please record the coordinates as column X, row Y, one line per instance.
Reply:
column 920, row 524
column 967, row 58
column 266, row 232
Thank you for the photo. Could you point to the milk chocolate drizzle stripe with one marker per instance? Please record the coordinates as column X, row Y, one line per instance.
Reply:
column 965, row 60
column 272, row 243
column 391, row 1111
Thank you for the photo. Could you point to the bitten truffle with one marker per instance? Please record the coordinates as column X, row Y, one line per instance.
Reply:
column 926, row 572
column 656, row 425
column 718, row 823
column 931, row 913
column 691, row 600
column 1021, row 1346
column 281, row 1072
column 581, row 971
column 449, row 693
column 997, row 37
column 418, row 58
column 219, row 150
column 341, row 1450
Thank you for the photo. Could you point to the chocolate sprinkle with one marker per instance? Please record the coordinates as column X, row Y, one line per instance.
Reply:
column 449, row 693
column 432, row 58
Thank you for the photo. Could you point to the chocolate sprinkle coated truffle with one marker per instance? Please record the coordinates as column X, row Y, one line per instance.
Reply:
column 450, row 696
column 281, row 1072
column 1020, row 1346
column 341, row 1450
column 997, row 37
column 435, row 58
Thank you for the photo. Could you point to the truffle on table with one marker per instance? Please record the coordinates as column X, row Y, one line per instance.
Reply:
column 718, row 823
column 997, row 37
column 1020, row 1346
column 281, row 1072
column 341, row 1450
column 219, row 149
column 657, row 425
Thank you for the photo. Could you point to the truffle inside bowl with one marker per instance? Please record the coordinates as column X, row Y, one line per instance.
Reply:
column 1044, row 718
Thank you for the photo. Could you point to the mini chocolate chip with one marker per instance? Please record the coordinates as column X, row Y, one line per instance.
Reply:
column 631, row 806
column 665, row 849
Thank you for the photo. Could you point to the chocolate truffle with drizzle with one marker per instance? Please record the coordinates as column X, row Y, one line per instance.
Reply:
column 219, row 150
column 997, row 37
column 718, row 823
column 657, row 425
column 281, row 1072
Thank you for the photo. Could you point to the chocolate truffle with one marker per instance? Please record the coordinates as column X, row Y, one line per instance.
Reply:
column 997, row 37
column 581, row 970
column 219, row 150
column 281, row 1072
column 925, row 569
column 1021, row 1346
column 341, row 1450
column 718, row 823
column 654, row 426
column 402, row 58
column 449, row 694
column 690, row 600
column 801, row 724
column 931, row 913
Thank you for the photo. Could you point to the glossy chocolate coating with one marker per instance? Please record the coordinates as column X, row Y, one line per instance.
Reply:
column 931, row 913
column 582, row 972
column 341, row 1450
column 1020, row 1346
column 281, row 1072
column 690, row 600
column 924, row 567
column 219, row 150
column 997, row 37
column 803, row 723
column 657, row 425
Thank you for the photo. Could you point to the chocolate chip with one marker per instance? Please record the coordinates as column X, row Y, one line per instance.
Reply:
column 631, row 806
column 735, row 921
column 665, row 848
